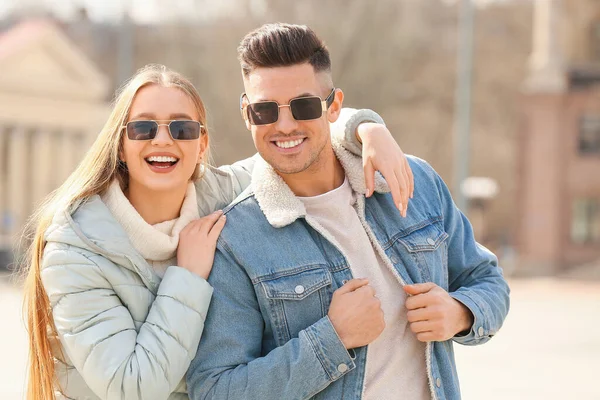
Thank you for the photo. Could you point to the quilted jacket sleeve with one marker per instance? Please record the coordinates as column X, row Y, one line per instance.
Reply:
column 120, row 358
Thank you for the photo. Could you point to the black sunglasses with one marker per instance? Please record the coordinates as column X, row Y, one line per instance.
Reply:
column 303, row 109
column 179, row 129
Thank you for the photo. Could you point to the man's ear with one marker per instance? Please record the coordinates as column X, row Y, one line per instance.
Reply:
column 333, row 112
column 243, row 104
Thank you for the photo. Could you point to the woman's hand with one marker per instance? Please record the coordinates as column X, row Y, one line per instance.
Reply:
column 382, row 153
column 197, row 243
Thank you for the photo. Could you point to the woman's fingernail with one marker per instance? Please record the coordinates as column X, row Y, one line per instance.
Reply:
column 368, row 192
column 400, row 206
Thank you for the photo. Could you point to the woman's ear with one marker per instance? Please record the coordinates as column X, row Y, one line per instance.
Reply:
column 203, row 147
column 333, row 112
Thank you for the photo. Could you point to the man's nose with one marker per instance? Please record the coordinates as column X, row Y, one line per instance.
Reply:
column 286, row 123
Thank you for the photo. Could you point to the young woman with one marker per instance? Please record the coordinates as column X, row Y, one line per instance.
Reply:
column 117, row 289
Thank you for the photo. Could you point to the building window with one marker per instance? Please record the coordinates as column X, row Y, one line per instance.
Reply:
column 589, row 135
column 585, row 223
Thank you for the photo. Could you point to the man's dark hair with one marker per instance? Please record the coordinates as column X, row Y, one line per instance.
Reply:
column 282, row 45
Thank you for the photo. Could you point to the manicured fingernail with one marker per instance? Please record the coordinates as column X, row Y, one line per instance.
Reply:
column 400, row 206
column 368, row 194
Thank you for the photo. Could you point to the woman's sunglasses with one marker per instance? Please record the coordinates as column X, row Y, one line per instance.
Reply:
column 179, row 129
column 303, row 109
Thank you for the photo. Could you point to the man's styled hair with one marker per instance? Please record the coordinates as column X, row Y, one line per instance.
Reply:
column 282, row 45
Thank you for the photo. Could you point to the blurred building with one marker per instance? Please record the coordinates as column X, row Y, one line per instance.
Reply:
column 559, row 171
column 52, row 105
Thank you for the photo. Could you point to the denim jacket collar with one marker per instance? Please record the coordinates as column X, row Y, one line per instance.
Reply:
column 280, row 205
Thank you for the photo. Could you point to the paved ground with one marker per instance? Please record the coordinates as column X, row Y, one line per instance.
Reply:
column 548, row 349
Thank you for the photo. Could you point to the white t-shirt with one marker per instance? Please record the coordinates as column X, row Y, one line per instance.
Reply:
column 396, row 366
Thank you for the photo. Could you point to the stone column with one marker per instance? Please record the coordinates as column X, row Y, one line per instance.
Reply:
column 71, row 153
column 18, row 182
column 42, row 163
column 540, row 177
column 64, row 163
column 3, row 177
column 546, row 70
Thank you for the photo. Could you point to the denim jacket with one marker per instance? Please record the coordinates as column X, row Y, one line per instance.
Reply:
column 267, row 334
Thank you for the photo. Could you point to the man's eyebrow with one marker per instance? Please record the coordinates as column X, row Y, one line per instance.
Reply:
column 305, row 94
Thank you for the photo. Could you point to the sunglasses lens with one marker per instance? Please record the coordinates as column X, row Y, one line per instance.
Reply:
column 185, row 130
column 306, row 108
column 263, row 113
column 142, row 130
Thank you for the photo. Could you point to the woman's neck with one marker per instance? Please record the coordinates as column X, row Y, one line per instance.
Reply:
column 156, row 206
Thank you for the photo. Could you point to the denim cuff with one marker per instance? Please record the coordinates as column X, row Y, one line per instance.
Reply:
column 480, row 331
column 329, row 349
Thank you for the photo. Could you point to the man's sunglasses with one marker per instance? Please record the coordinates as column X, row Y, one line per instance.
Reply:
column 179, row 129
column 302, row 108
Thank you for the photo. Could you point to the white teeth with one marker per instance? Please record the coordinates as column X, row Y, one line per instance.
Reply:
column 162, row 159
column 289, row 144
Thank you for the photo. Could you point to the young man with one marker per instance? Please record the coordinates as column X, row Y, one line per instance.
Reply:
column 320, row 288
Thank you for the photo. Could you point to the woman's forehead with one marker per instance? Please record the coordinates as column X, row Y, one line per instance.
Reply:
column 163, row 102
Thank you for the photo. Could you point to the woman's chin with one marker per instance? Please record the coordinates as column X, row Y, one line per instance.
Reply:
column 162, row 184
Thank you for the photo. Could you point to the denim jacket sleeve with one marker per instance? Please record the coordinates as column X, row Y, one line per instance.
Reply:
column 229, row 363
column 343, row 131
column 474, row 277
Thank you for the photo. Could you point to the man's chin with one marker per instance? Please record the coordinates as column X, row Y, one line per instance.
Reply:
column 289, row 168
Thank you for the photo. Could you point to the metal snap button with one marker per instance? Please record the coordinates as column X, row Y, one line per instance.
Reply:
column 342, row 368
column 430, row 241
column 480, row 331
column 299, row 289
column 438, row 382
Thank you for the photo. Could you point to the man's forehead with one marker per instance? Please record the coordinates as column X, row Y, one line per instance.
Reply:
column 283, row 83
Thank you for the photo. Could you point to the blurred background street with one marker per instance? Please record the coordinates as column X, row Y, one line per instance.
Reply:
column 548, row 348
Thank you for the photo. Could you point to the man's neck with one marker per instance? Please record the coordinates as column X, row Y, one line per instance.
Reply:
column 156, row 207
column 321, row 177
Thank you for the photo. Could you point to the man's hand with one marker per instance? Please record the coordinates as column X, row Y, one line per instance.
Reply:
column 356, row 313
column 433, row 314
column 382, row 153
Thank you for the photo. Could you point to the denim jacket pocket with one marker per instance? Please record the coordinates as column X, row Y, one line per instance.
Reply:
column 429, row 248
column 296, row 299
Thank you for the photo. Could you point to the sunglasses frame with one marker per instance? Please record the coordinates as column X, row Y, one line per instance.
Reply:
column 170, row 121
column 325, row 104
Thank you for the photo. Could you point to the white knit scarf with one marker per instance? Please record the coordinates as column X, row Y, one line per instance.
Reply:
column 156, row 243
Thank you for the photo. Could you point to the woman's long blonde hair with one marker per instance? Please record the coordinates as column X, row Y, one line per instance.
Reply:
column 93, row 176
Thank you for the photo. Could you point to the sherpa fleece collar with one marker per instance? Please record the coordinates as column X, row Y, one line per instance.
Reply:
column 281, row 206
